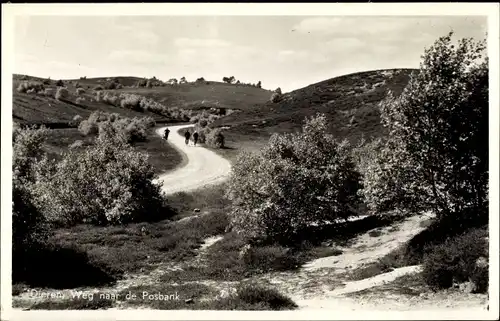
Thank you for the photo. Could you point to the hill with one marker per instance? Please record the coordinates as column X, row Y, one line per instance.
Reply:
column 349, row 102
column 41, row 109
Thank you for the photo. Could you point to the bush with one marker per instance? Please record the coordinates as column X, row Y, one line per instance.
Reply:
column 30, row 87
column 267, row 297
column 98, row 88
column 203, row 123
column 456, row 261
column 79, row 100
column 435, row 157
column 295, row 181
column 62, row 93
column 131, row 102
column 106, row 183
column 59, row 83
column 76, row 120
column 29, row 228
column 87, row 127
column 275, row 97
column 215, row 138
column 80, row 91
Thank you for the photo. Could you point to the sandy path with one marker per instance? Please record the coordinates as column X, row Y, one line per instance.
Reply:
column 203, row 167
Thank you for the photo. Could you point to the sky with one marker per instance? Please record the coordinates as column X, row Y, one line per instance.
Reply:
column 280, row 51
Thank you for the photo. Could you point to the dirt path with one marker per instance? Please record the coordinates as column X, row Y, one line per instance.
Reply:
column 202, row 166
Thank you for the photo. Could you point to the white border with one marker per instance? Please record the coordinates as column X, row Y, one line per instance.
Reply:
column 9, row 11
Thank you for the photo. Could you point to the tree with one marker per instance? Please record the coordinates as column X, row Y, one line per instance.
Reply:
column 437, row 152
column 296, row 180
column 172, row 81
column 183, row 80
column 259, row 84
column 232, row 80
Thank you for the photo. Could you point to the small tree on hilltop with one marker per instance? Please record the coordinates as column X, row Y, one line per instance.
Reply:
column 259, row 84
column 296, row 180
column 437, row 151
column 183, row 80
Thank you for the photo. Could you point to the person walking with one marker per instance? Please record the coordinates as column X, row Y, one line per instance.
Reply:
column 187, row 135
column 195, row 138
column 165, row 134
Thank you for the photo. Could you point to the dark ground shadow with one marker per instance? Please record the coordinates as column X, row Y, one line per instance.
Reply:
column 59, row 267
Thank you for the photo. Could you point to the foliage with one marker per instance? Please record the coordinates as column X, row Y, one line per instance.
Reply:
column 275, row 97
column 80, row 91
column 215, row 138
column 62, row 93
column 456, row 261
column 296, row 180
column 25, row 86
column 106, row 183
column 29, row 227
column 436, row 156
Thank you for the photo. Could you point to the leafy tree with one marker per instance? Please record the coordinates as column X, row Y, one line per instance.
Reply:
column 183, row 80
column 29, row 226
column 296, row 180
column 172, row 81
column 106, row 183
column 436, row 156
column 259, row 84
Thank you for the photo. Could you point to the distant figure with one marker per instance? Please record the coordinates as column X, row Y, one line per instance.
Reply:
column 187, row 135
column 195, row 138
column 165, row 134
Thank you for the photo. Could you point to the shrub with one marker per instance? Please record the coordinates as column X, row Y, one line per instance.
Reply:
column 456, row 261
column 278, row 91
column 267, row 297
column 275, row 97
column 31, row 91
column 106, row 183
column 203, row 122
column 79, row 100
column 435, row 153
column 59, row 83
column 215, row 138
column 30, row 87
column 62, row 93
column 98, row 88
column 76, row 120
column 296, row 180
column 88, row 127
column 80, row 91
column 29, row 228
column 131, row 102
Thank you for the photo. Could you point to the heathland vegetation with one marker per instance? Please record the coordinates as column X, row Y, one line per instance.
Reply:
column 415, row 143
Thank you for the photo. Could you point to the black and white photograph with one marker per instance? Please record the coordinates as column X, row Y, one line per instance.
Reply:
column 321, row 163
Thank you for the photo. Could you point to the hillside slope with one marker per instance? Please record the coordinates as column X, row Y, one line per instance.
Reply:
column 349, row 102
column 40, row 109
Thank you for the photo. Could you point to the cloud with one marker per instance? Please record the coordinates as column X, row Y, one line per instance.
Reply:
column 201, row 43
column 142, row 32
column 138, row 57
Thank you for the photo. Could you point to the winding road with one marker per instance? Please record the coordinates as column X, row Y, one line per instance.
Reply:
column 202, row 166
